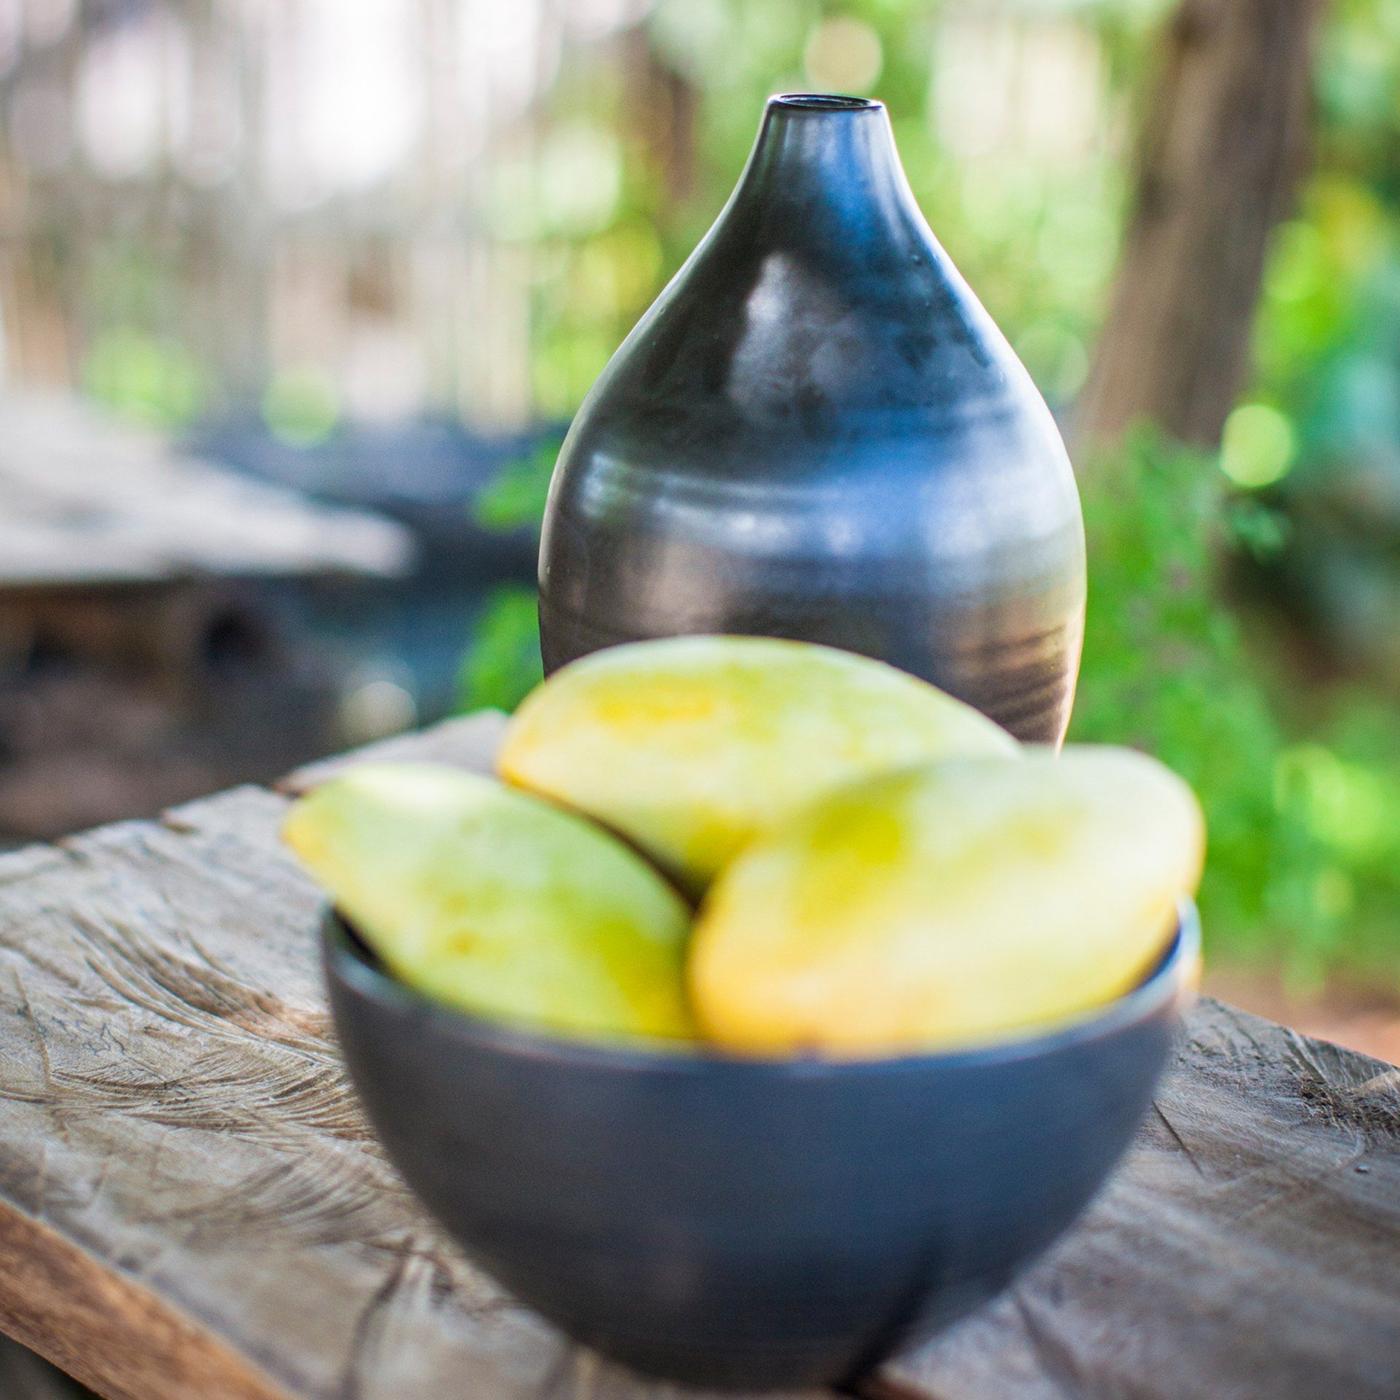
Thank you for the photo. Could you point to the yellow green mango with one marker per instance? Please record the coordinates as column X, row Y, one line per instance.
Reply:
column 692, row 746
column 497, row 902
column 947, row 905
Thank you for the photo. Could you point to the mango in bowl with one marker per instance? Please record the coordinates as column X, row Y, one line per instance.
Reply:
column 914, row 1023
column 691, row 746
column 748, row 1221
column 496, row 903
column 947, row 904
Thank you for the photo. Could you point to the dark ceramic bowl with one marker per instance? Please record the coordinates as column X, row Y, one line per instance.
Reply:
column 748, row 1223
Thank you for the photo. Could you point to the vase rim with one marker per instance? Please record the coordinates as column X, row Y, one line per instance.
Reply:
column 824, row 102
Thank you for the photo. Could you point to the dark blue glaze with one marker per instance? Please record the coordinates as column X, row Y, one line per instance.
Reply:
column 817, row 432
column 748, row 1223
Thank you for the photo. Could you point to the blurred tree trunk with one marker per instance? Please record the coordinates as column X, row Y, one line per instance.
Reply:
column 1224, row 143
column 662, row 108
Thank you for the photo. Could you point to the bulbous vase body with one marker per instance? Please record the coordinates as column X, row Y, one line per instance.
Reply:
column 817, row 432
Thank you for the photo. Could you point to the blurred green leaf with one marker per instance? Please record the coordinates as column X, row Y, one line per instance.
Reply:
column 1304, row 837
column 143, row 378
column 502, row 664
column 516, row 497
column 301, row 405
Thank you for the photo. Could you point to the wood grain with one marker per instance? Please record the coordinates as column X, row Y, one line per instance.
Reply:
column 470, row 742
column 88, row 500
column 101, row 1327
column 191, row 1205
column 182, row 1156
column 1249, row 1247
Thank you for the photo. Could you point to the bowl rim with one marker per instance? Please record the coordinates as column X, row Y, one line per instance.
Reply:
column 1171, row 985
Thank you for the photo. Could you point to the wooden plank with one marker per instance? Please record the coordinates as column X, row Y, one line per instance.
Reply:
column 84, row 499
column 185, row 1177
column 107, row 1329
column 1249, row 1247
column 470, row 741
column 175, row 1127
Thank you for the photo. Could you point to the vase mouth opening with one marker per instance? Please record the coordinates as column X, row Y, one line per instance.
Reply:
column 823, row 102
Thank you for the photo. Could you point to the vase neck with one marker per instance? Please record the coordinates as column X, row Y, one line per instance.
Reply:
column 828, row 157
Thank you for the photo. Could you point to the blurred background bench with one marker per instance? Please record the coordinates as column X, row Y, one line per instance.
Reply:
column 155, row 633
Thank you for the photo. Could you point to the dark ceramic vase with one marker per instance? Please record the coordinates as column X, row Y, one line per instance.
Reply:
column 817, row 432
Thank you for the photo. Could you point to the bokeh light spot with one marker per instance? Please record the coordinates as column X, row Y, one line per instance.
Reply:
column 843, row 55
column 580, row 178
column 1257, row 447
column 301, row 406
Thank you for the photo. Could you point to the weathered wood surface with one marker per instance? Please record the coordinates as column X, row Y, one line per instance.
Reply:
column 84, row 500
column 1248, row 1250
column 470, row 742
column 117, row 702
column 190, row 1204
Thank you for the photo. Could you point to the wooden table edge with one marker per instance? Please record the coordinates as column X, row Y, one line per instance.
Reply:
column 56, row 1290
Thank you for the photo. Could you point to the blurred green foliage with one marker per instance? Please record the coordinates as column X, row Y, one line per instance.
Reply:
column 300, row 406
column 503, row 663
column 1304, row 859
column 1013, row 119
column 516, row 496
column 1301, row 781
column 1013, row 123
column 143, row 378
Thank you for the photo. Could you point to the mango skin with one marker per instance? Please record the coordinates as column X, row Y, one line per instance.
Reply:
column 948, row 905
column 496, row 902
column 692, row 746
